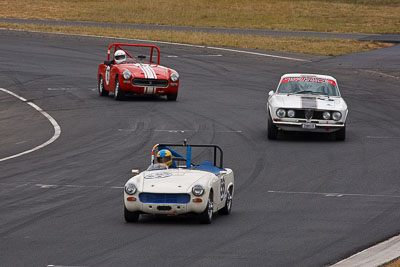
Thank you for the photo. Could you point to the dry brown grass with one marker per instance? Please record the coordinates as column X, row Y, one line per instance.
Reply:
column 370, row 16
column 317, row 46
column 394, row 263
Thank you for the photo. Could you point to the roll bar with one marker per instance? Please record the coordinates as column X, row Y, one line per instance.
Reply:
column 117, row 46
column 189, row 152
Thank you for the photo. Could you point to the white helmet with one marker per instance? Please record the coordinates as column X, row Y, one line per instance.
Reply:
column 119, row 56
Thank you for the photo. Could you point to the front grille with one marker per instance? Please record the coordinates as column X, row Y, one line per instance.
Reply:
column 150, row 82
column 300, row 114
column 164, row 198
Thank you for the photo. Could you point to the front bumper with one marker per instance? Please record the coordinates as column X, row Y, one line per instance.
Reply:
column 165, row 208
column 300, row 126
column 127, row 87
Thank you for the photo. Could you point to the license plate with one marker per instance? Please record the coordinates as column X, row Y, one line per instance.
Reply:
column 308, row 125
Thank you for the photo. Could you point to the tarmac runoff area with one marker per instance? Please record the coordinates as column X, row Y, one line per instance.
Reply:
column 374, row 256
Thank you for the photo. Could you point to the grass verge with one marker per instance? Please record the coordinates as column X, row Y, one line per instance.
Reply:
column 365, row 16
column 303, row 45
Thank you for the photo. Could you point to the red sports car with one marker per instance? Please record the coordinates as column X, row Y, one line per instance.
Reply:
column 134, row 69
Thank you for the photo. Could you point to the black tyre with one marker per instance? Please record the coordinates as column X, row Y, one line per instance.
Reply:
column 131, row 216
column 272, row 130
column 100, row 86
column 118, row 94
column 172, row 97
column 207, row 215
column 341, row 134
column 226, row 210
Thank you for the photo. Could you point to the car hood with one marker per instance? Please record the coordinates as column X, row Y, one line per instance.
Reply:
column 307, row 101
column 171, row 181
column 148, row 71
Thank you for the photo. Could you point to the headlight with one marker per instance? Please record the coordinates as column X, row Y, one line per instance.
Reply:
column 290, row 113
column 326, row 115
column 336, row 115
column 198, row 190
column 130, row 189
column 174, row 76
column 127, row 74
column 281, row 113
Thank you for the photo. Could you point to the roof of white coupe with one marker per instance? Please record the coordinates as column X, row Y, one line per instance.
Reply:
column 308, row 75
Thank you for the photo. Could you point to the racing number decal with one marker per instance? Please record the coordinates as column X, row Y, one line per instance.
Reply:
column 108, row 75
column 222, row 188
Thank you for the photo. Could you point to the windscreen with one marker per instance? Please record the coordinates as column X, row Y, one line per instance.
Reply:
column 139, row 54
column 308, row 85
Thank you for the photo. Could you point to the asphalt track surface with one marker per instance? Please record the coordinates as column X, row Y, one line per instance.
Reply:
column 302, row 200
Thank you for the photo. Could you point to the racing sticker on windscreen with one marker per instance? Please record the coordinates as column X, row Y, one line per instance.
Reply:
column 308, row 79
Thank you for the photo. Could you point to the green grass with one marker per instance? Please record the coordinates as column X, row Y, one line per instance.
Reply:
column 364, row 16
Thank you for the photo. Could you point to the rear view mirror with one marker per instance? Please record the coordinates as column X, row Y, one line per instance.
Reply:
column 136, row 172
column 271, row 93
column 108, row 62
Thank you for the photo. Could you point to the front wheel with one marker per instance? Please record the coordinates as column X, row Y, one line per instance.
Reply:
column 131, row 216
column 272, row 130
column 100, row 86
column 207, row 215
column 118, row 93
column 172, row 97
column 341, row 134
column 226, row 210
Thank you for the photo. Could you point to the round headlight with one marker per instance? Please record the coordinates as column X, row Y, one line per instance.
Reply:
column 326, row 115
column 174, row 76
column 336, row 115
column 198, row 190
column 290, row 113
column 130, row 189
column 281, row 113
column 127, row 74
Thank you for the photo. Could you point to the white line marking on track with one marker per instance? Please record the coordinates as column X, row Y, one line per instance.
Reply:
column 50, row 186
column 333, row 194
column 382, row 74
column 383, row 137
column 170, row 43
column 61, row 89
column 182, row 131
column 57, row 128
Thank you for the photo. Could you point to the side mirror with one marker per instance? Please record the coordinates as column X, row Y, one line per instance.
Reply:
column 108, row 62
column 271, row 93
column 223, row 172
column 136, row 172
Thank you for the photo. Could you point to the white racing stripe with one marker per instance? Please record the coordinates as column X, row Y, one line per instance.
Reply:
column 57, row 128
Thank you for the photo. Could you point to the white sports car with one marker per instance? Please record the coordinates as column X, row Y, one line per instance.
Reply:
column 307, row 102
column 184, row 187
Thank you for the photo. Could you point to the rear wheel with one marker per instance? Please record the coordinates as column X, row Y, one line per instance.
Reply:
column 118, row 94
column 100, row 86
column 131, row 216
column 226, row 210
column 341, row 134
column 207, row 215
column 172, row 97
column 272, row 130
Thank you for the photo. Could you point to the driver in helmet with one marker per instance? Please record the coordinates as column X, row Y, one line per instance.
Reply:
column 164, row 156
column 119, row 56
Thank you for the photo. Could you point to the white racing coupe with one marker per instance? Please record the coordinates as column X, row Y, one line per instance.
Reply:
column 201, row 189
column 307, row 102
